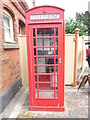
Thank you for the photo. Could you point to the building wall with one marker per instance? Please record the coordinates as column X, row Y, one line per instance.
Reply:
column 9, row 53
column 10, row 67
column 10, row 58
column 0, row 45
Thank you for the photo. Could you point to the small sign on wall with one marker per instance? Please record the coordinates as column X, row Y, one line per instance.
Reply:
column 44, row 16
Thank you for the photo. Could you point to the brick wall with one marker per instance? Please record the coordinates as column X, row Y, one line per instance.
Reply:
column 10, row 67
column 1, row 44
column 9, row 58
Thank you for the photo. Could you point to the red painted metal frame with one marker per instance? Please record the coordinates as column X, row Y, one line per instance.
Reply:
column 46, row 104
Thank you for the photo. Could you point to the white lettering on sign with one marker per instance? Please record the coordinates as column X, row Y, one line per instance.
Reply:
column 44, row 16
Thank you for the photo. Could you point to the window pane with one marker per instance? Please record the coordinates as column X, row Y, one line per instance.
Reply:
column 56, row 94
column 6, row 21
column 52, row 79
column 45, row 31
column 36, row 94
column 56, row 31
column 56, row 69
column 46, row 42
column 35, row 78
column 47, row 86
column 33, row 32
column 34, row 42
column 45, row 69
column 35, row 69
column 45, row 51
column 56, row 51
column 46, row 60
column 35, row 62
column 56, row 80
column 36, row 86
column 56, row 60
column 7, row 32
column 56, row 42
column 49, row 60
column 7, row 26
column 34, row 51
column 46, row 94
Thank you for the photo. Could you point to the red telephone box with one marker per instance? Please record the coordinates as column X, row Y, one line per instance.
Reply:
column 45, row 32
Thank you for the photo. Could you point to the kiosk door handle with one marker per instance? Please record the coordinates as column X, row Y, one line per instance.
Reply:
column 60, row 60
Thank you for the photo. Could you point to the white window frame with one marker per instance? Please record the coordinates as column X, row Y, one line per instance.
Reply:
column 11, row 39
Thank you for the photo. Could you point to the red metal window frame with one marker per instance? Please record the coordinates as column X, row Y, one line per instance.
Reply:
column 40, row 101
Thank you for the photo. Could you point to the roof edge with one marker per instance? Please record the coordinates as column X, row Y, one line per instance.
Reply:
column 45, row 6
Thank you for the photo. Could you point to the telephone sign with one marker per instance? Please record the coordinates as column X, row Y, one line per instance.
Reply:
column 45, row 16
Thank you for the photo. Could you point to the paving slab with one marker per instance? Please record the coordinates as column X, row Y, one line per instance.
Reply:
column 13, row 103
column 76, row 106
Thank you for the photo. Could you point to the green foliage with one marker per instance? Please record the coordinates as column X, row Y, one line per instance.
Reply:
column 71, row 25
column 79, row 17
column 84, row 18
column 82, row 21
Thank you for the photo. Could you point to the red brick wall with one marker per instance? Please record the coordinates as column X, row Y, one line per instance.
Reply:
column 1, row 45
column 9, row 59
column 10, row 67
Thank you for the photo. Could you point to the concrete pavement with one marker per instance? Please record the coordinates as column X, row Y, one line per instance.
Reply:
column 76, row 105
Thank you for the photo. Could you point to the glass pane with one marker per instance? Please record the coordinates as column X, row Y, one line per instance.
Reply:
column 33, row 32
column 7, row 32
column 56, row 78
column 36, row 86
column 56, row 51
column 35, row 78
column 49, row 60
column 56, row 85
column 34, row 51
column 44, row 78
column 45, row 51
column 45, row 31
column 56, row 94
column 56, row 60
column 45, row 69
column 56, row 69
column 47, row 78
column 35, row 62
column 35, row 69
column 56, row 31
column 6, row 21
column 46, row 57
column 46, row 94
column 47, row 86
column 36, row 94
column 42, row 60
column 45, row 42
column 52, row 79
column 56, row 42
column 34, row 42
